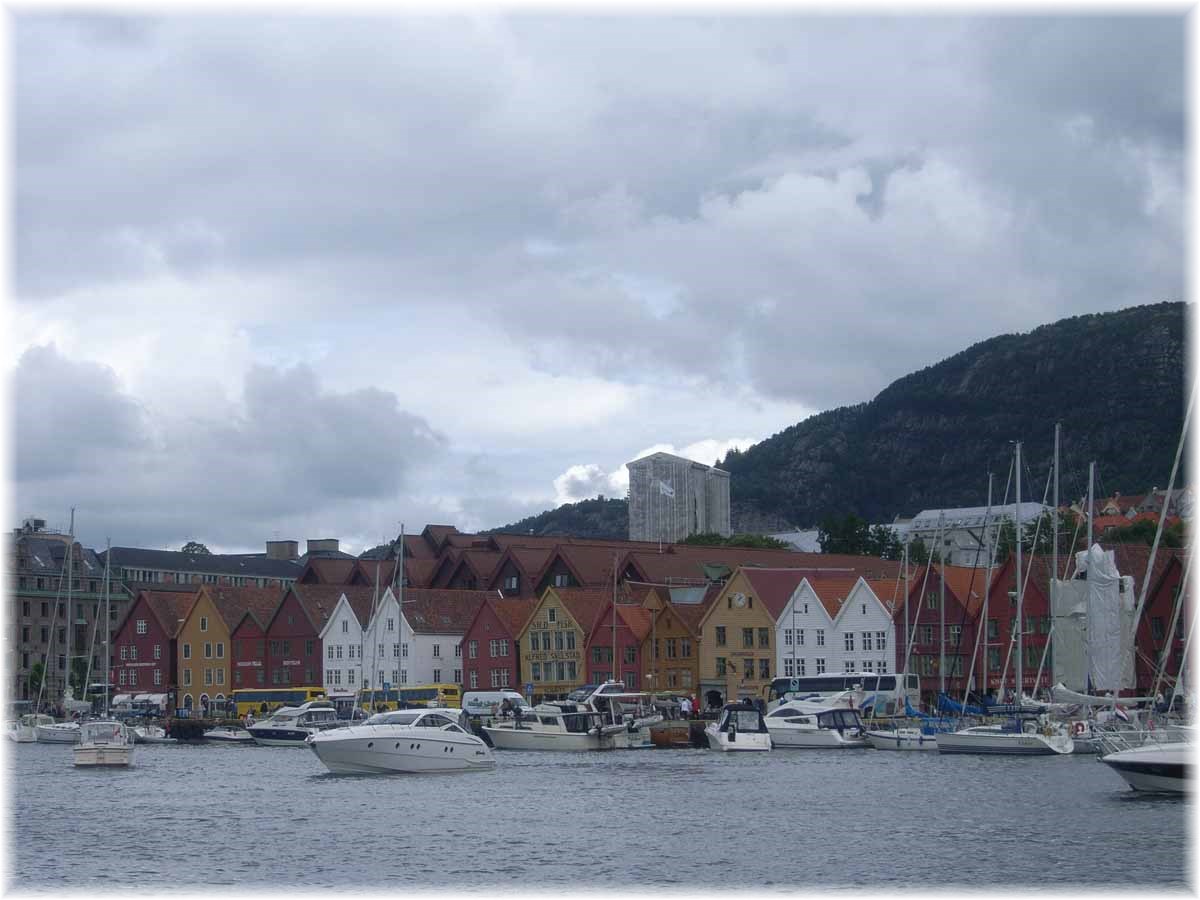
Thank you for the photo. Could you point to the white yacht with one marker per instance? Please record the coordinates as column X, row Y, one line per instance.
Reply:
column 741, row 727
column 1153, row 767
column 24, row 729
column 290, row 726
column 404, row 741
column 1031, row 738
column 151, row 734
column 104, row 742
column 57, row 732
column 230, row 734
column 554, row 726
column 901, row 739
column 838, row 728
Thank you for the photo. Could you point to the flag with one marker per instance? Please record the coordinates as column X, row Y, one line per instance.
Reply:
column 665, row 489
column 1121, row 714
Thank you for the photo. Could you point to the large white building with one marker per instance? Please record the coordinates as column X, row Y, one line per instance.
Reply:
column 961, row 533
column 836, row 623
column 671, row 497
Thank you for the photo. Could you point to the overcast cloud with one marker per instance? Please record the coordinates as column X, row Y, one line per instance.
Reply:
column 314, row 276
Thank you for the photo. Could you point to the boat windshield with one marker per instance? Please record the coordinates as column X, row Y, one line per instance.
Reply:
column 582, row 693
column 744, row 719
column 393, row 718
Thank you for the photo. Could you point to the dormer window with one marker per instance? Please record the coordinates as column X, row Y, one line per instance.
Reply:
column 550, row 614
column 204, row 623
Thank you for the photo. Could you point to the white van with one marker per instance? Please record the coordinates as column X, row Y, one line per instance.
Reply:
column 486, row 705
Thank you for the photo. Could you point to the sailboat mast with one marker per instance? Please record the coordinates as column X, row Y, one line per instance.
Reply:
column 1054, row 565
column 1091, row 500
column 942, row 611
column 907, row 595
column 987, row 589
column 70, row 619
column 614, row 622
column 107, row 651
column 1020, row 626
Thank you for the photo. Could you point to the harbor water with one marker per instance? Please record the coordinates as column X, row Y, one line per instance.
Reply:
column 190, row 816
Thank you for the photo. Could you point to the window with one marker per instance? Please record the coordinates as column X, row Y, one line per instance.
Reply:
column 403, row 675
column 533, row 641
column 308, row 648
column 685, row 648
column 381, row 651
column 955, row 634
column 630, row 656
column 551, row 614
column 788, row 670
column 158, row 676
column 747, row 668
column 720, row 635
column 764, row 638
column 141, row 626
column 187, row 651
column 504, row 644
column 558, row 640
column 350, row 676
column 395, row 651
column 866, row 640
column 204, row 623
column 124, row 652
column 495, row 673
column 570, row 642
column 570, row 673
column 133, row 676
column 748, row 638
column 391, row 625
column 881, row 640
column 848, row 666
column 799, row 637
column 208, row 650
column 510, row 584
column 849, row 639
column 345, row 626
column 787, row 637
column 437, row 654
column 764, row 669
column 864, row 609
column 25, row 607
column 221, row 676
column 133, row 651
column 329, row 651
column 536, row 670
column 931, row 600
column 800, row 664
column 819, row 662
column 562, row 580
column 458, row 652
column 187, row 677
column 820, row 641
column 437, row 675
column 671, row 648
column 473, row 649
column 474, row 680
column 208, row 676
column 545, row 640
column 926, row 634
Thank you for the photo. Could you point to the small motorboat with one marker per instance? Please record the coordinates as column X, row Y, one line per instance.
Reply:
column 24, row 729
column 290, row 726
column 836, row 728
column 1018, row 738
column 57, row 732
column 1153, row 767
column 104, row 742
column 561, row 725
column 741, row 727
column 901, row 739
column 230, row 734
column 151, row 734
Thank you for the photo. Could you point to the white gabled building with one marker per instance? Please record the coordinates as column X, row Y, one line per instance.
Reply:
column 342, row 641
column 387, row 646
column 836, row 623
column 435, row 622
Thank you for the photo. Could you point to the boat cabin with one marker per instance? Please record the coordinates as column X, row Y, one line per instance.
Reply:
column 742, row 717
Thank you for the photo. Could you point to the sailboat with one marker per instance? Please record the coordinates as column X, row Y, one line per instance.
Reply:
column 106, row 741
column 1019, row 736
column 45, row 729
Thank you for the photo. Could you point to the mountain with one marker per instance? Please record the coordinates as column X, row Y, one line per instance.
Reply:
column 1114, row 381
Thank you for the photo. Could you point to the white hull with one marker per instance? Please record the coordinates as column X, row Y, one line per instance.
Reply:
column 103, row 756
column 530, row 739
column 902, row 739
column 151, row 734
column 815, row 739
column 748, row 741
column 1007, row 743
column 57, row 734
column 1154, row 768
column 401, row 753
column 239, row 736
column 23, row 734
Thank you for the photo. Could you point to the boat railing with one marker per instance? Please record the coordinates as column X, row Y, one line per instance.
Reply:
column 1113, row 740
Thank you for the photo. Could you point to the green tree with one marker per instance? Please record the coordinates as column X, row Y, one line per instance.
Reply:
column 195, row 547
column 78, row 677
column 918, row 553
column 883, row 543
column 848, row 534
column 1143, row 531
column 37, row 672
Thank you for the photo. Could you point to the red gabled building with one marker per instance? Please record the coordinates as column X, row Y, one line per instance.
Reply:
column 293, row 634
column 142, row 653
column 247, row 640
column 632, row 627
column 491, row 651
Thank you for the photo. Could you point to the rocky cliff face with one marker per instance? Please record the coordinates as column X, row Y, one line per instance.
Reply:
column 1114, row 381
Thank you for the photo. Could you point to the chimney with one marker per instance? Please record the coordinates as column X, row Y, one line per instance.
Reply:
column 283, row 550
column 322, row 545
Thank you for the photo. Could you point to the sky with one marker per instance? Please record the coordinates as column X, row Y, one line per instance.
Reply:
column 281, row 276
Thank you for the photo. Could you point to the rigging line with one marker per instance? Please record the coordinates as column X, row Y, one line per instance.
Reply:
column 50, row 642
column 1187, row 643
column 912, row 637
column 1169, row 637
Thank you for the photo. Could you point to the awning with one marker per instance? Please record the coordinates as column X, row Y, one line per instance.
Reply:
column 121, row 698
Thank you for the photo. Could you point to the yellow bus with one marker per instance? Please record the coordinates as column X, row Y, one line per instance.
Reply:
column 260, row 702
column 446, row 695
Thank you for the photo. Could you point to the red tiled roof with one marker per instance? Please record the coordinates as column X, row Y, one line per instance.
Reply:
column 593, row 566
column 320, row 600
column 513, row 613
column 329, row 569
column 832, row 590
column 968, row 585
column 235, row 602
column 889, row 591
column 637, row 618
column 420, row 571
column 169, row 607
column 481, row 562
column 774, row 586
column 584, row 604
column 1103, row 522
column 436, row 611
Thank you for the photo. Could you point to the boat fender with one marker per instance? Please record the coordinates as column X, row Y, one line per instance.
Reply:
column 1079, row 728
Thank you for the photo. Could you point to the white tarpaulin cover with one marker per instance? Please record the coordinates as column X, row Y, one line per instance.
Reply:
column 1093, row 618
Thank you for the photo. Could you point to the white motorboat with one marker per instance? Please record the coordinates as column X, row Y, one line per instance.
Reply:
column 290, row 726
column 404, row 742
column 1153, row 767
column 57, row 732
column 24, row 729
column 839, row 728
column 1029, row 739
column 230, row 734
column 151, row 734
column 554, row 726
column 901, row 739
column 741, row 727
column 104, row 742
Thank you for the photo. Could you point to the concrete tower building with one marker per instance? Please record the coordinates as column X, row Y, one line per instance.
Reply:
column 671, row 497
